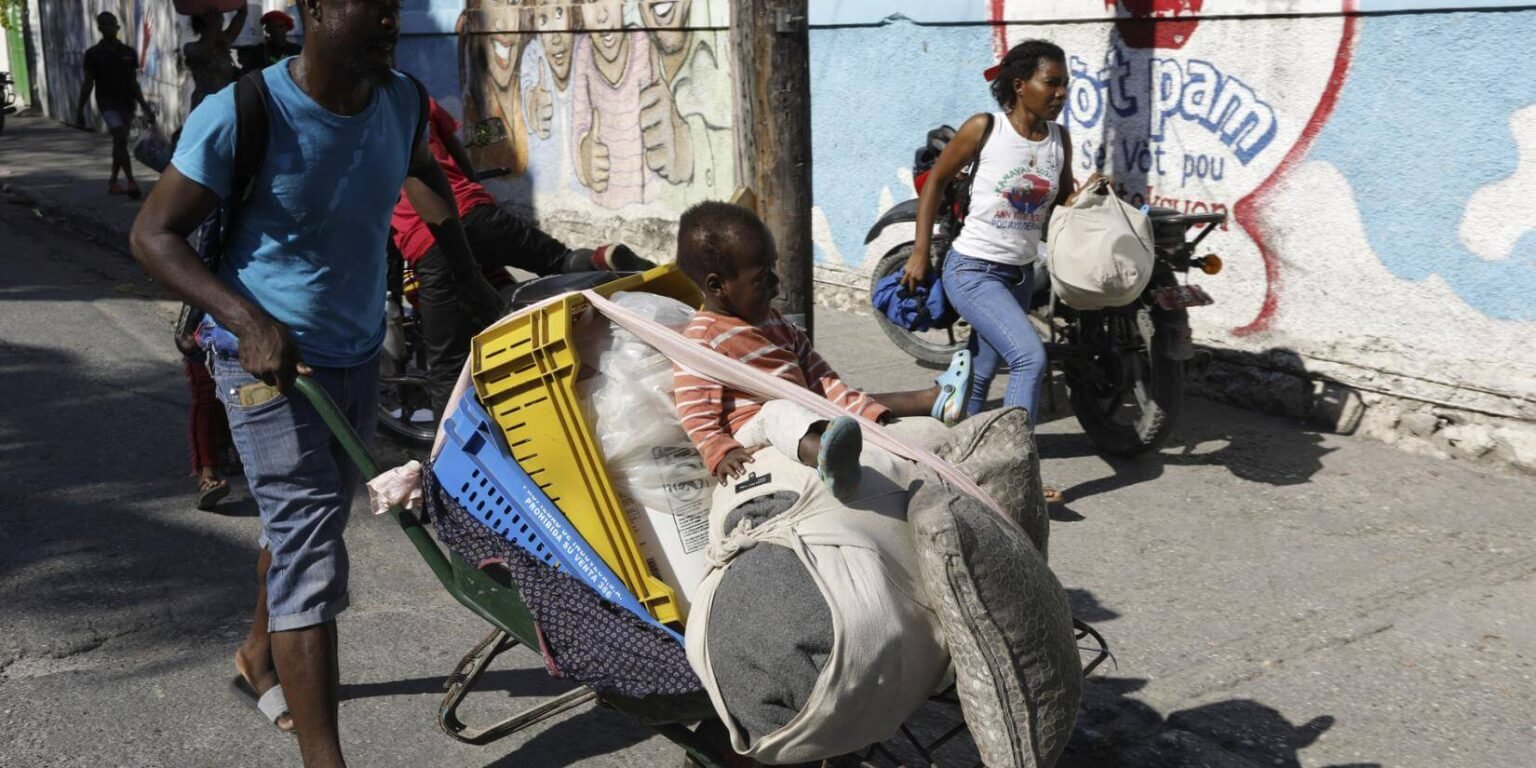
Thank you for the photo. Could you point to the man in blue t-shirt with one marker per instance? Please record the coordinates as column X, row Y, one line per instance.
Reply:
column 301, row 285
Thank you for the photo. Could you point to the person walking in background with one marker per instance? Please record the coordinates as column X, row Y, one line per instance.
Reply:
column 111, row 70
column 275, row 26
column 208, row 441
column 210, row 57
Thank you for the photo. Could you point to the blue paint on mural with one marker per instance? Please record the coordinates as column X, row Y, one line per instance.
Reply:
column 1416, row 140
column 429, row 17
column 876, row 92
column 1431, row 5
column 867, row 12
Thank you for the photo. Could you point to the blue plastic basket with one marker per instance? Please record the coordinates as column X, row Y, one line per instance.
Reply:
column 479, row 473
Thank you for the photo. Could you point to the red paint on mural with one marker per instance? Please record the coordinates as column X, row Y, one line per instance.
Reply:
column 1161, row 24
column 1156, row 23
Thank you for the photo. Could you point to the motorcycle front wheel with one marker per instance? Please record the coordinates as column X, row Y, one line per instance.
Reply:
column 934, row 347
column 405, row 411
column 1124, row 391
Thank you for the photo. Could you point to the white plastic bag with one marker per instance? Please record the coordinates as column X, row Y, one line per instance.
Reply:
column 399, row 486
column 1100, row 252
column 629, row 399
column 659, row 475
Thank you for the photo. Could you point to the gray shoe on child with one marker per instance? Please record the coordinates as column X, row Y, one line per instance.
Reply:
column 842, row 442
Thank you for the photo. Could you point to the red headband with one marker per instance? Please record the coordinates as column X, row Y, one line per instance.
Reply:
column 279, row 17
column 990, row 73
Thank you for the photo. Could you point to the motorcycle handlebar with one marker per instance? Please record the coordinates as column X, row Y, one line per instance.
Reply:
column 1192, row 218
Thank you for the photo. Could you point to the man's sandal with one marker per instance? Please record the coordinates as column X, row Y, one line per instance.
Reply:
column 272, row 704
column 209, row 494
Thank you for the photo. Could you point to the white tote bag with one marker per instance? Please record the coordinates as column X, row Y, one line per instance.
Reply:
column 1100, row 252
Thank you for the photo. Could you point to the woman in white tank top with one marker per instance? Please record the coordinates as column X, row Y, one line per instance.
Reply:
column 1024, row 171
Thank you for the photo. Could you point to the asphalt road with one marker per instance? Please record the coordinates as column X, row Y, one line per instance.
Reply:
column 1276, row 596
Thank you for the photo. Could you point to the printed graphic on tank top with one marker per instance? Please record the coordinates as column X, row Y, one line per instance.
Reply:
column 1016, row 183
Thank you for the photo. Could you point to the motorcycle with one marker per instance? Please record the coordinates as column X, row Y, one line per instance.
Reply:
column 1124, row 366
column 405, row 411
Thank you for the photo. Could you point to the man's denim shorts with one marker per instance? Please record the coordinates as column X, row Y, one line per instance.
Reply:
column 303, row 483
column 115, row 120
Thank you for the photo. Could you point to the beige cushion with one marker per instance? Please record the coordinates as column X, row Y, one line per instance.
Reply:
column 1008, row 626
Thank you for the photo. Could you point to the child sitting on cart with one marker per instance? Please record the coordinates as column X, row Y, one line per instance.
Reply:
column 728, row 251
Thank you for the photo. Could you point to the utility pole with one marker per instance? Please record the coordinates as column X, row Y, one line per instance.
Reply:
column 771, row 41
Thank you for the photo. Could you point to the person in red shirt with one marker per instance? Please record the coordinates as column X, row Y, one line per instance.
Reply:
column 498, row 240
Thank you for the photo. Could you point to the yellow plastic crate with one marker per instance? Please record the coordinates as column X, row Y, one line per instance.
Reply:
column 525, row 372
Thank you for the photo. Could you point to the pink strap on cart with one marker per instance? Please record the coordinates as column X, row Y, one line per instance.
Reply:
column 734, row 373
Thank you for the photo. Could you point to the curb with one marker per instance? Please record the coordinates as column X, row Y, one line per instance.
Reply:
column 71, row 217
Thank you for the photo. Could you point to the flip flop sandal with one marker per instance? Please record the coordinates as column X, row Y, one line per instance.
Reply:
column 209, row 496
column 954, row 390
column 272, row 704
column 837, row 462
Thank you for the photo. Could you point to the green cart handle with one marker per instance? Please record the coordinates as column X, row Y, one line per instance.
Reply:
column 409, row 522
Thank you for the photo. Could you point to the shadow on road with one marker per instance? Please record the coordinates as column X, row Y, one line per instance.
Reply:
column 90, row 552
column 1086, row 606
column 1117, row 731
column 1268, row 451
column 590, row 733
column 526, row 682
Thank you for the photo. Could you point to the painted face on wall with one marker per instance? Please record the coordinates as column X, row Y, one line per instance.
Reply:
column 557, row 31
column 491, row 41
column 668, row 21
column 501, row 22
column 604, row 21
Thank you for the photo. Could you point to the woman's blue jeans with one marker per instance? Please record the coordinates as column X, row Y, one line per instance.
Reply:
column 994, row 299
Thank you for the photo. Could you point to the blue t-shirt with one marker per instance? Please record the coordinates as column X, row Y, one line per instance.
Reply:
column 309, row 245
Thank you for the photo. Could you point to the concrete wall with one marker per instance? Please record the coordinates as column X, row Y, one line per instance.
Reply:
column 613, row 117
column 1379, row 168
column 1319, row 125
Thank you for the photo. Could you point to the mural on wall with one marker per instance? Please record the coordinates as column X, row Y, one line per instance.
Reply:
column 1199, row 115
column 613, row 102
column 1381, row 215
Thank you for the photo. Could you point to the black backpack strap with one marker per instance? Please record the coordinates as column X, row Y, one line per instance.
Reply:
column 422, row 105
column 250, row 151
column 250, row 135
